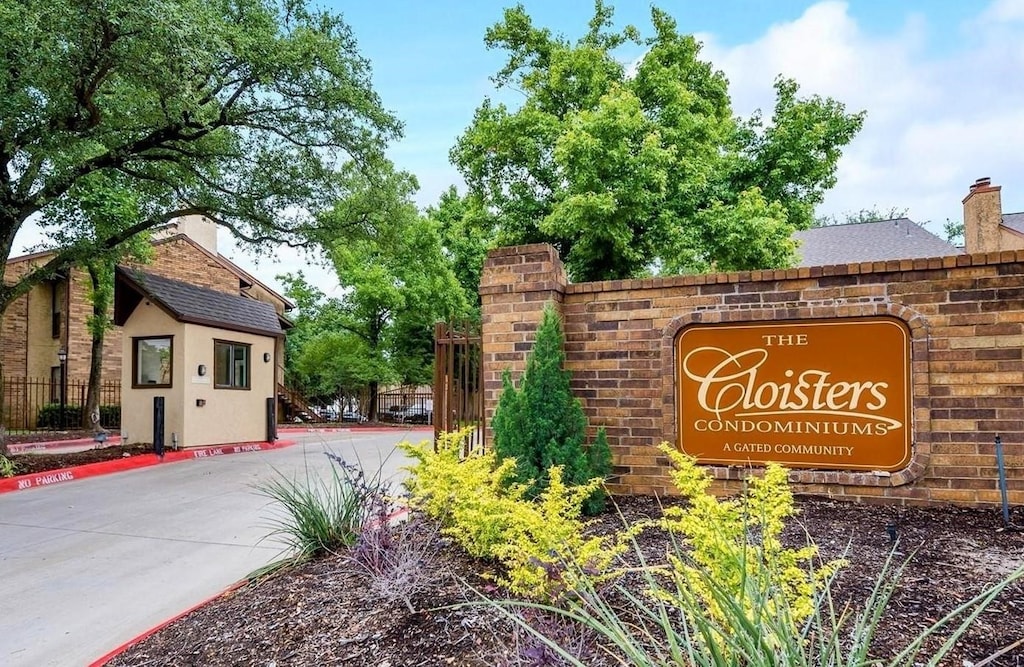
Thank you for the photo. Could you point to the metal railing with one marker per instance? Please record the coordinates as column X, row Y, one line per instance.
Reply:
column 458, row 386
column 32, row 404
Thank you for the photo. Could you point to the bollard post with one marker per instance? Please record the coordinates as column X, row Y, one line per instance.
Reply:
column 1002, row 480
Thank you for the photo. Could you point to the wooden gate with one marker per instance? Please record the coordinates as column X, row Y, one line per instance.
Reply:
column 458, row 386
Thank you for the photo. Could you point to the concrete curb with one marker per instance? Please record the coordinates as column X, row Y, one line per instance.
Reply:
column 99, row 662
column 22, row 482
column 22, row 447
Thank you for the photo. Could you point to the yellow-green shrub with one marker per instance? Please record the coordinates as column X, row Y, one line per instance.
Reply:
column 540, row 543
column 735, row 543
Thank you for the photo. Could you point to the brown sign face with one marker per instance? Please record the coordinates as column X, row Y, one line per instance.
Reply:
column 814, row 394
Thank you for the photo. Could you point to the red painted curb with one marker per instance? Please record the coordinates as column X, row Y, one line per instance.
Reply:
column 99, row 662
column 355, row 429
column 22, row 482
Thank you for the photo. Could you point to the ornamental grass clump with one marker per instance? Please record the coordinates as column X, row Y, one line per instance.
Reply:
column 320, row 514
column 540, row 542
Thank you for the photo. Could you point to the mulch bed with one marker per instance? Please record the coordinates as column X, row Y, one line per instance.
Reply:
column 30, row 463
column 329, row 613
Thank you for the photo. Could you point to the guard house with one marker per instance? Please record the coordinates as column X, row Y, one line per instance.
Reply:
column 207, row 354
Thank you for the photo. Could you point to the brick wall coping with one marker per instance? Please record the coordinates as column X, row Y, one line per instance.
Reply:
column 889, row 266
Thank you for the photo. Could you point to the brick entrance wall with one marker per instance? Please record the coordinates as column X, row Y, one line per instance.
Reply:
column 965, row 314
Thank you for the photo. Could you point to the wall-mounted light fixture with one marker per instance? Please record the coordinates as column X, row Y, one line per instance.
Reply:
column 266, row 357
column 201, row 370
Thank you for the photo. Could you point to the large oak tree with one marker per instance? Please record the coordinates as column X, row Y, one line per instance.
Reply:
column 241, row 110
column 632, row 169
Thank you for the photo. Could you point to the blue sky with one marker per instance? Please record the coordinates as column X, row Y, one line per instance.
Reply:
column 432, row 68
column 941, row 81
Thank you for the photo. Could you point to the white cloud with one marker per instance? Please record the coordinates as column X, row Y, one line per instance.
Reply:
column 1005, row 10
column 935, row 123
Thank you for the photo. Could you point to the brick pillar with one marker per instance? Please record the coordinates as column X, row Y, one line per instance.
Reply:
column 516, row 284
column 983, row 214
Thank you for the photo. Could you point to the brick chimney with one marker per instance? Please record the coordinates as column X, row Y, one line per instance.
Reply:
column 983, row 213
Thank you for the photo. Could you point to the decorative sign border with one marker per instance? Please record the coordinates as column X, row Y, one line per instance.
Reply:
column 829, row 394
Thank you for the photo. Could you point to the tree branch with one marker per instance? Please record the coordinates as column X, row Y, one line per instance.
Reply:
column 66, row 258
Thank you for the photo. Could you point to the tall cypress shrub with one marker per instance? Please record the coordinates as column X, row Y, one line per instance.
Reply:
column 541, row 424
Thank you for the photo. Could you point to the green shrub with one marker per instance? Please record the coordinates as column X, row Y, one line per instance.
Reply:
column 738, row 543
column 110, row 416
column 732, row 595
column 541, row 424
column 49, row 416
column 540, row 542
column 650, row 631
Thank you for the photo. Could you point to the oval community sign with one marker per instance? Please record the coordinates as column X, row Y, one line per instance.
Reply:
column 829, row 394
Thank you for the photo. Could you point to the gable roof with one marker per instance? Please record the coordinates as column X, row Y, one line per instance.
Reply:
column 245, row 279
column 1014, row 221
column 878, row 241
column 191, row 304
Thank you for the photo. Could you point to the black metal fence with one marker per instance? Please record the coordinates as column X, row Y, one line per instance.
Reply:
column 406, row 406
column 31, row 404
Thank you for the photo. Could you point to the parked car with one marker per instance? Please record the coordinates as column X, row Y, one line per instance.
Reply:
column 352, row 416
column 392, row 413
column 418, row 414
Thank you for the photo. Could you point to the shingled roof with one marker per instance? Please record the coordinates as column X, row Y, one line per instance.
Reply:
column 879, row 241
column 191, row 304
column 1014, row 221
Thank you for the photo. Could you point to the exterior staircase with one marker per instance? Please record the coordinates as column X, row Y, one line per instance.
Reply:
column 292, row 406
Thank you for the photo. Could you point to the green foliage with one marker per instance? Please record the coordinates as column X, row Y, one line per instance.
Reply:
column 49, row 416
column 649, row 631
column 467, row 233
column 395, row 285
column 626, row 171
column 541, row 424
column 873, row 214
column 539, row 542
column 316, row 516
column 7, row 467
column 732, row 596
column 954, row 231
column 240, row 111
column 736, row 543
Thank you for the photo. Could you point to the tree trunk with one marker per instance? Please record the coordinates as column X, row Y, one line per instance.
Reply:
column 371, row 412
column 92, row 399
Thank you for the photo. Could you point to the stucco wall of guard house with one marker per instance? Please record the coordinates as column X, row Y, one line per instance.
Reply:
column 229, row 415
column 965, row 315
column 137, row 402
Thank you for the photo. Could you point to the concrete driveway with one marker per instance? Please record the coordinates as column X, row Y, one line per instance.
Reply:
column 88, row 565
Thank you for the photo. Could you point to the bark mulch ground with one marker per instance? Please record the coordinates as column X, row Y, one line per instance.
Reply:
column 331, row 612
column 30, row 463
